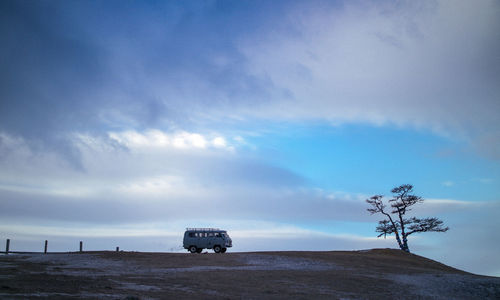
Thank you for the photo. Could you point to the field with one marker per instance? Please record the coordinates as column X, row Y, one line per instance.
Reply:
column 369, row 274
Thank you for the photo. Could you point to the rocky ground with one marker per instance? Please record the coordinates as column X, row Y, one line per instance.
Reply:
column 371, row 274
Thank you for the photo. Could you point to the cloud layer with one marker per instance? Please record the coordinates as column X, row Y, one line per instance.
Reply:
column 429, row 65
column 152, row 175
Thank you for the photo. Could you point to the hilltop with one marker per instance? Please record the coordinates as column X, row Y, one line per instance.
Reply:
column 368, row 274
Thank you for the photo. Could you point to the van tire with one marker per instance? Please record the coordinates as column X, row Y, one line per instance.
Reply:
column 193, row 249
column 223, row 250
column 217, row 249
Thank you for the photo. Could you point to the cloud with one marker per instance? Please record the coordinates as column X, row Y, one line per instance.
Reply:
column 146, row 173
column 483, row 180
column 94, row 65
column 448, row 183
column 471, row 234
column 155, row 138
column 427, row 65
column 138, row 176
column 430, row 65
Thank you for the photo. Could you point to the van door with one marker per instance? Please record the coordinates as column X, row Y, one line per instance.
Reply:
column 218, row 239
column 210, row 240
column 202, row 241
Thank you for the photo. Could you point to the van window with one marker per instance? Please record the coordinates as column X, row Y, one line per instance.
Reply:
column 191, row 234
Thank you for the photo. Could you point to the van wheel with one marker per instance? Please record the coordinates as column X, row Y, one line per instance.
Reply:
column 223, row 250
column 217, row 249
column 192, row 249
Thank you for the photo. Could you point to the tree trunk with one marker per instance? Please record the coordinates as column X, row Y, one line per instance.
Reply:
column 398, row 239
column 405, row 244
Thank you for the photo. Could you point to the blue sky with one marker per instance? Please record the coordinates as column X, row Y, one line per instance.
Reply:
column 123, row 122
column 377, row 156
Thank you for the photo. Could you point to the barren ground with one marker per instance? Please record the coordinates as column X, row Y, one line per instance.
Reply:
column 372, row 274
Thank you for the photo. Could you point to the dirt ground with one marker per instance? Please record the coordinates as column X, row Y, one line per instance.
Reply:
column 370, row 274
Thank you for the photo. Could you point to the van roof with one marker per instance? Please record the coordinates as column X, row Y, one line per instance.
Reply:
column 203, row 229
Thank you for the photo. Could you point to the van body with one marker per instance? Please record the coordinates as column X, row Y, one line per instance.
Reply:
column 197, row 239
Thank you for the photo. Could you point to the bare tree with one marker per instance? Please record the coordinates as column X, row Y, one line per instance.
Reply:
column 402, row 201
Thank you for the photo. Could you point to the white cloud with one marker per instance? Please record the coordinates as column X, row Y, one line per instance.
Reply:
column 186, row 139
column 484, row 180
column 72, row 229
column 154, row 187
column 448, row 183
column 219, row 142
column 155, row 138
column 437, row 207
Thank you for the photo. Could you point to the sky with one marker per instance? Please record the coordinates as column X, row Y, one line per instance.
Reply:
column 124, row 122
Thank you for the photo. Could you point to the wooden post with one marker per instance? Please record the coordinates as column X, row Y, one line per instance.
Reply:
column 45, row 249
column 117, row 249
column 7, row 245
column 81, row 246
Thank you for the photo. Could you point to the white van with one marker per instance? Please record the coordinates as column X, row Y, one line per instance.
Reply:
column 197, row 239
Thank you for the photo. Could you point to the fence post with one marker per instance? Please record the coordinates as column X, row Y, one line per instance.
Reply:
column 45, row 249
column 117, row 249
column 81, row 246
column 7, row 245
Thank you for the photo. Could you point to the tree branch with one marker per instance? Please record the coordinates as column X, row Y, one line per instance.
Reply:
column 425, row 225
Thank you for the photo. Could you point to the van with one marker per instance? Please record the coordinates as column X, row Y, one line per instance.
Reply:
column 197, row 239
